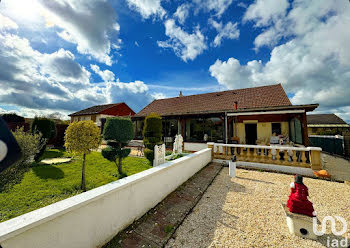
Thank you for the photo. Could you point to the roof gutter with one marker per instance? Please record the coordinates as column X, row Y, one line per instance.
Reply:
column 268, row 112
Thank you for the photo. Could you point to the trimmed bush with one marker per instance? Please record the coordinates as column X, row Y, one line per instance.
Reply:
column 152, row 134
column 117, row 132
column 30, row 145
column 47, row 129
column 45, row 126
column 149, row 154
column 81, row 137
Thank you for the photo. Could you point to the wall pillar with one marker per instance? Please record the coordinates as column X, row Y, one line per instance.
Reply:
column 347, row 143
column 304, row 130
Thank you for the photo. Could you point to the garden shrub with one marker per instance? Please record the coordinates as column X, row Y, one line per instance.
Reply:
column 118, row 131
column 149, row 154
column 30, row 145
column 152, row 134
column 47, row 128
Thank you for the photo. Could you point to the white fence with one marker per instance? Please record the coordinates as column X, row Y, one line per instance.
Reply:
column 93, row 218
column 308, row 157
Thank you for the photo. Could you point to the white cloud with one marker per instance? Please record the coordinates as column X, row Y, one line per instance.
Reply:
column 90, row 24
column 228, row 31
column 7, row 23
column 263, row 12
column 61, row 67
column 158, row 95
column 147, row 8
column 42, row 83
column 182, row 12
column 217, row 6
column 314, row 66
column 135, row 94
column 106, row 75
column 185, row 45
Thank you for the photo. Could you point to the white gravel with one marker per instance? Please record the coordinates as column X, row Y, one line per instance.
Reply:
column 246, row 212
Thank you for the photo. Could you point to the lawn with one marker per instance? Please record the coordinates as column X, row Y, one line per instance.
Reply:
column 45, row 184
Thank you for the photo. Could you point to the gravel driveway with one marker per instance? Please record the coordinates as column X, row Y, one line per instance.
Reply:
column 246, row 212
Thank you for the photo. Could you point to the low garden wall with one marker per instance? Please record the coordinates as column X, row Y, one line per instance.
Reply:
column 194, row 147
column 93, row 218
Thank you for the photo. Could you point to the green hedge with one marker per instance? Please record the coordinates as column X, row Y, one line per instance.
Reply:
column 47, row 128
column 118, row 132
column 12, row 117
column 152, row 134
column 149, row 154
column 118, row 129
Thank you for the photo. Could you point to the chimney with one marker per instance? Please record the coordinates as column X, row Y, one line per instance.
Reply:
column 180, row 95
column 236, row 105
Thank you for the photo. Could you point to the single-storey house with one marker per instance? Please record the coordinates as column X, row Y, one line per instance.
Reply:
column 326, row 124
column 245, row 116
column 98, row 112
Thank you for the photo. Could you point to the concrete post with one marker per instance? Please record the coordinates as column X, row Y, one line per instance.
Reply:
column 347, row 144
column 232, row 169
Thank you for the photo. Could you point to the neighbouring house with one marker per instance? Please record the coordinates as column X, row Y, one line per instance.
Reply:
column 98, row 112
column 245, row 116
column 324, row 124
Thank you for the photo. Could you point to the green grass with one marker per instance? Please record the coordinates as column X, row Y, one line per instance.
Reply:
column 55, row 153
column 45, row 184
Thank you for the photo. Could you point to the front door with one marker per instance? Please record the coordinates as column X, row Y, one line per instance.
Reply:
column 250, row 134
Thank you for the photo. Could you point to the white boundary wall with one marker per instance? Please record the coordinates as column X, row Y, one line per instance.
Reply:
column 193, row 147
column 93, row 218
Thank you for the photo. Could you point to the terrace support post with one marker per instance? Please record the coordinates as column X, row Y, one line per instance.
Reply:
column 315, row 160
column 211, row 145
column 226, row 129
column 304, row 130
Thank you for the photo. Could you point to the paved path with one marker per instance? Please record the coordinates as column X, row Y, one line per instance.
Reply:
column 156, row 227
column 338, row 167
column 246, row 212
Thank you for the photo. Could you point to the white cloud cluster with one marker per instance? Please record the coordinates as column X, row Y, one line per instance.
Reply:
column 264, row 12
column 147, row 8
column 106, row 75
column 135, row 94
column 158, row 95
column 186, row 46
column 90, row 24
column 314, row 65
column 182, row 12
column 228, row 31
column 41, row 83
column 216, row 6
column 7, row 23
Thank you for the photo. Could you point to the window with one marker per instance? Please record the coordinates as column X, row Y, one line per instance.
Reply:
column 276, row 128
column 295, row 131
column 170, row 128
column 204, row 130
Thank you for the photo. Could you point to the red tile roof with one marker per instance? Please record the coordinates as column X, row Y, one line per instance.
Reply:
column 324, row 119
column 258, row 97
column 118, row 109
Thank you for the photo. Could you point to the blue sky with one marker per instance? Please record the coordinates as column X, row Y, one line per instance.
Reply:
column 60, row 56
